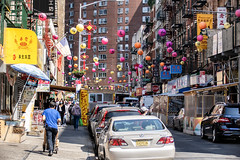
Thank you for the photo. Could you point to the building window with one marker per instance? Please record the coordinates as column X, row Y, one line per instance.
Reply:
column 119, row 55
column 70, row 45
column 126, row 2
column 94, row 21
column 126, row 20
column 71, row 13
column 94, row 74
column 94, row 12
column 102, row 48
column 146, row 9
column 121, row 64
column 84, row 3
column 120, row 19
column 94, row 40
column 84, row 14
column 103, row 3
column 120, row 3
column 102, row 30
column 145, row 1
column 102, row 65
column 120, row 39
column 102, row 21
column 71, row 21
column 120, row 10
column 102, row 12
column 126, row 47
column 120, row 47
column 126, row 65
column 145, row 18
column 126, row 28
column 119, row 74
column 126, row 10
column 126, row 56
column 102, row 57
column 126, row 37
column 102, row 75
column 70, row 37
column 71, row 5
column 120, row 27
column 94, row 49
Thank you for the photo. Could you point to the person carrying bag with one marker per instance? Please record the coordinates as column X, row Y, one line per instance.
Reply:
column 76, row 112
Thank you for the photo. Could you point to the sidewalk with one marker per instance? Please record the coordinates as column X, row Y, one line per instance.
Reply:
column 73, row 145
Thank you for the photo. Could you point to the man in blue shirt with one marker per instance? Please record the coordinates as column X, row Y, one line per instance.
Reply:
column 51, row 118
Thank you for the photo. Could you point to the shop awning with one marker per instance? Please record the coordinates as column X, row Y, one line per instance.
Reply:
column 62, row 88
column 213, row 88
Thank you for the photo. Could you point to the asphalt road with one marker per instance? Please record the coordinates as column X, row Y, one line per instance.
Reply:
column 190, row 147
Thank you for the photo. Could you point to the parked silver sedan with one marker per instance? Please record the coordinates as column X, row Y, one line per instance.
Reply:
column 136, row 138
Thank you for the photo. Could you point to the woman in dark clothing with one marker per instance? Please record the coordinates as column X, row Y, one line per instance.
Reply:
column 61, row 109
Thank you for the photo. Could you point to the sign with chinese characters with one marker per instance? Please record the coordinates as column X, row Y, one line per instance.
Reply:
column 176, row 69
column 44, row 6
column 220, row 42
column 155, row 88
column 202, row 77
column 84, row 104
column 208, row 19
column 139, row 92
column 221, row 17
column 165, row 75
column 20, row 46
column 43, row 86
column 155, row 68
column 215, row 41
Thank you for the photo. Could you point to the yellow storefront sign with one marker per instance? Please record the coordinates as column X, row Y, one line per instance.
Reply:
column 20, row 46
column 208, row 19
column 84, row 106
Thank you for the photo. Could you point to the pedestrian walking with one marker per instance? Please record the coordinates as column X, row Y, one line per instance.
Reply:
column 61, row 109
column 76, row 112
column 51, row 117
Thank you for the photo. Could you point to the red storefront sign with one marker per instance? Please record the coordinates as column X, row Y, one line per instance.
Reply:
column 155, row 88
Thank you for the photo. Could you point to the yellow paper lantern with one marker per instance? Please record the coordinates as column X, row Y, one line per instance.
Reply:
column 80, row 27
column 75, row 65
column 97, row 78
column 120, row 69
column 87, row 68
column 199, row 49
column 83, row 45
column 118, row 66
column 69, row 73
column 86, row 86
column 227, row 25
column 182, row 62
column 100, row 80
column 149, row 67
column 112, row 72
column 95, row 59
column 124, row 81
column 73, row 30
column 197, row 44
column 75, row 58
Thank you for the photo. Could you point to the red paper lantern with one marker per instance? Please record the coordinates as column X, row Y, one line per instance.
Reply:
column 123, row 76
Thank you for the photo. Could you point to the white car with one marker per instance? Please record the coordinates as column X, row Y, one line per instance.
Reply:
column 135, row 138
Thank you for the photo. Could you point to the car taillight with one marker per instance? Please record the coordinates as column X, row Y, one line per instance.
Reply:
column 165, row 140
column 117, row 142
column 101, row 125
column 223, row 120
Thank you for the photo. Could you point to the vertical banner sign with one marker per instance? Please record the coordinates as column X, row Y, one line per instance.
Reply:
column 219, row 42
column 155, row 69
column 84, row 105
column 215, row 44
column 176, row 69
column 221, row 17
column 208, row 19
column 165, row 75
column 44, row 6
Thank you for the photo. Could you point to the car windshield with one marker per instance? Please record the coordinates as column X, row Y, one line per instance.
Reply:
column 124, row 104
column 100, row 108
column 121, row 113
column 232, row 111
column 137, row 125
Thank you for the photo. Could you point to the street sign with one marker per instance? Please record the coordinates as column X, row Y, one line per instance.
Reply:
column 155, row 88
column 156, row 68
column 176, row 69
column 44, row 6
column 165, row 75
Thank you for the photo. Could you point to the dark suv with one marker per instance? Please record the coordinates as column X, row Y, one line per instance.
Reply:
column 223, row 120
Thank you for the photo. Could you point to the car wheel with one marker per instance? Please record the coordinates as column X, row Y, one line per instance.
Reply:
column 174, row 126
column 180, row 126
column 203, row 136
column 215, row 137
column 96, row 150
column 99, row 155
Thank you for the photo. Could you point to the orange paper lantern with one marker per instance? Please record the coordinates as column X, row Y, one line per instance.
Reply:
column 123, row 76
column 147, row 71
column 162, row 64
column 148, row 58
column 69, row 73
column 152, row 65
column 137, row 45
column 202, row 25
column 124, row 81
column 120, row 81
column 140, row 52
column 75, row 65
column 75, row 58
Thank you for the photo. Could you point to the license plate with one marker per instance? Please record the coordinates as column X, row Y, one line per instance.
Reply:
column 141, row 143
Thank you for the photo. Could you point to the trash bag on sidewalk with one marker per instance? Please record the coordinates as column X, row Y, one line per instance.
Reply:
column 80, row 122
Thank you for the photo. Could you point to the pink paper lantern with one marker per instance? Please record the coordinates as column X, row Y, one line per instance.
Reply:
column 169, row 44
column 174, row 54
column 122, row 59
column 200, row 38
column 97, row 88
column 131, row 79
column 184, row 59
column 72, row 83
column 55, row 37
column 121, row 33
column 88, row 78
column 111, row 51
column 69, row 58
column 96, row 63
column 136, row 68
column 169, row 50
column 63, row 72
column 126, row 85
column 237, row 13
column 136, row 80
column 103, row 69
column 140, row 66
column 42, row 16
column 69, row 66
column 113, row 81
column 165, row 68
column 58, row 52
column 66, row 84
column 110, row 78
column 85, row 79
column 93, row 70
column 162, row 32
column 129, row 73
column 108, row 82
column 104, row 41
